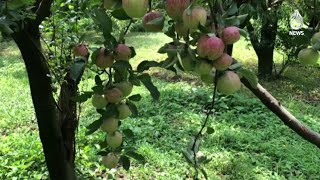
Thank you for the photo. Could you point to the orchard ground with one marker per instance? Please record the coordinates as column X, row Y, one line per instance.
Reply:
column 249, row 141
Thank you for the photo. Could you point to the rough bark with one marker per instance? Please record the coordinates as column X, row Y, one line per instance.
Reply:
column 68, row 119
column 286, row 117
column 28, row 42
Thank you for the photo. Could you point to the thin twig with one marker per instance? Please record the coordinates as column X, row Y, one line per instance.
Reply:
column 207, row 118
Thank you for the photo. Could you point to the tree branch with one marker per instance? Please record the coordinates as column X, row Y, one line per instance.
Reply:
column 292, row 122
column 43, row 11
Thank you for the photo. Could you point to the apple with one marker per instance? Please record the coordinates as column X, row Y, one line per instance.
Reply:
column 113, row 95
column 308, row 56
column 202, row 49
column 110, row 161
column 114, row 140
column 215, row 48
column 104, row 59
column 81, row 50
column 99, row 101
column 230, row 35
column 124, row 111
column 135, row 8
column 203, row 67
column 125, row 87
column 194, row 16
column 187, row 63
column 153, row 21
column 315, row 38
column 109, row 125
column 223, row 62
column 228, row 83
column 123, row 52
column 175, row 8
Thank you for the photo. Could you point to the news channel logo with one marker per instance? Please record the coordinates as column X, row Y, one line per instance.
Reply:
column 296, row 23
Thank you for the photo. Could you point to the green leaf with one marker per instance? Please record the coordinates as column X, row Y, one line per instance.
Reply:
column 243, row 33
column 111, row 111
column 77, row 68
column 104, row 20
column 249, row 75
column 232, row 21
column 187, row 156
column 203, row 171
column 122, row 64
column 133, row 108
column 135, row 156
column 210, row 130
column 98, row 80
column 120, row 14
column 235, row 66
column 163, row 49
column 94, row 55
column 133, row 52
column 316, row 46
column 82, row 97
column 171, row 32
column 146, row 65
column 98, row 89
column 136, row 97
column 125, row 162
column 93, row 127
column 133, row 78
column 156, row 21
column 128, row 133
column 102, row 153
column 232, row 9
column 146, row 81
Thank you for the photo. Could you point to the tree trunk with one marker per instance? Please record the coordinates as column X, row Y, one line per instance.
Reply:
column 265, row 61
column 28, row 41
column 68, row 119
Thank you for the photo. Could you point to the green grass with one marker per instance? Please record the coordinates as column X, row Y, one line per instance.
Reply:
column 249, row 141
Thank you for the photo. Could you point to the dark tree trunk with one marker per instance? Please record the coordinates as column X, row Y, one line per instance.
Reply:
column 28, row 42
column 68, row 119
column 265, row 61
column 264, row 47
column 267, row 44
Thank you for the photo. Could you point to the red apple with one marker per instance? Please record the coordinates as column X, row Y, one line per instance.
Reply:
column 223, row 62
column 123, row 52
column 175, row 8
column 153, row 21
column 104, row 59
column 80, row 50
column 230, row 35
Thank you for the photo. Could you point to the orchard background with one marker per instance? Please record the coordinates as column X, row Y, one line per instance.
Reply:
column 139, row 89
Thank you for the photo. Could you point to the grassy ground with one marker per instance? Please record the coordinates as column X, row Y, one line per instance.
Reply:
column 249, row 141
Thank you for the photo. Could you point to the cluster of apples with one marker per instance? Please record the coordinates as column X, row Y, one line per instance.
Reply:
column 310, row 56
column 114, row 94
column 210, row 49
column 152, row 21
column 106, row 58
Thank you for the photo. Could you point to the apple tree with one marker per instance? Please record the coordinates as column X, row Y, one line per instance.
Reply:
column 200, row 33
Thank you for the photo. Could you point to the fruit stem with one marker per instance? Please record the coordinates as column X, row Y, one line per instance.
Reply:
column 208, row 113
